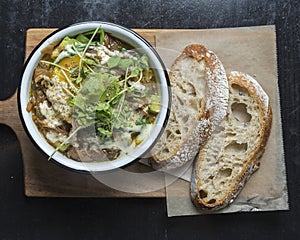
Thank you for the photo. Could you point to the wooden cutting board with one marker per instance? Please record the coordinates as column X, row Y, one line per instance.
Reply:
column 46, row 179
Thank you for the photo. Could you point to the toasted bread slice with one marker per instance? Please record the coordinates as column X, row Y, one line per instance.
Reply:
column 199, row 102
column 232, row 153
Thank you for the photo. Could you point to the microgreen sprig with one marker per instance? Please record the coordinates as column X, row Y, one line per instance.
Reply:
column 64, row 142
column 72, row 86
column 55, row 65
column 84, row 51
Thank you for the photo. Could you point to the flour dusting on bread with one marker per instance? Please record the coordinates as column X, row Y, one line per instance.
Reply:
column 199, row 102
column 232, row 153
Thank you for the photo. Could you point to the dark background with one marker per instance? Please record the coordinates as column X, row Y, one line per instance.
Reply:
column 42, row 218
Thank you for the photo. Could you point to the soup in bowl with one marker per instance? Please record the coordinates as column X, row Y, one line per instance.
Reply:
column 94, row 96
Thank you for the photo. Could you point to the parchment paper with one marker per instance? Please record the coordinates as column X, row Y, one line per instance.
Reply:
column 251, row 50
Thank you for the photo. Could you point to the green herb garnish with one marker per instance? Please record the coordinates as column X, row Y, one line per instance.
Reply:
column 104, row 94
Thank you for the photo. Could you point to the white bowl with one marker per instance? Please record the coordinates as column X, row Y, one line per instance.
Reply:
column 127, row 36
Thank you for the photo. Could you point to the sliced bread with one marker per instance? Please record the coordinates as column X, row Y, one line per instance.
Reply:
column 232, row 153
column 199, row 102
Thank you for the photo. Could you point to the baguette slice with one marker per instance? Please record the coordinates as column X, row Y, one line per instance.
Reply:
column 199, row 102
column 232, row 153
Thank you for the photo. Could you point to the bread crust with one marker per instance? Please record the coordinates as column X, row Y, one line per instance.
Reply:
column 213, row 108
column 252, row 163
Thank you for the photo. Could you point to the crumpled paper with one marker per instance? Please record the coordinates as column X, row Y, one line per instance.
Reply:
column 251, row 50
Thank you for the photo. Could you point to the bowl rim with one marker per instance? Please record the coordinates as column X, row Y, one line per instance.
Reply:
column 93, row 166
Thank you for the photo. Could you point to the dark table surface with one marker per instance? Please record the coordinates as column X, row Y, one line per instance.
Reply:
column 55, row 218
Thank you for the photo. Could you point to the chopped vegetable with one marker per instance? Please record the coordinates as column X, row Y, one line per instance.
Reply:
column 154, row 103
column 66, row 41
